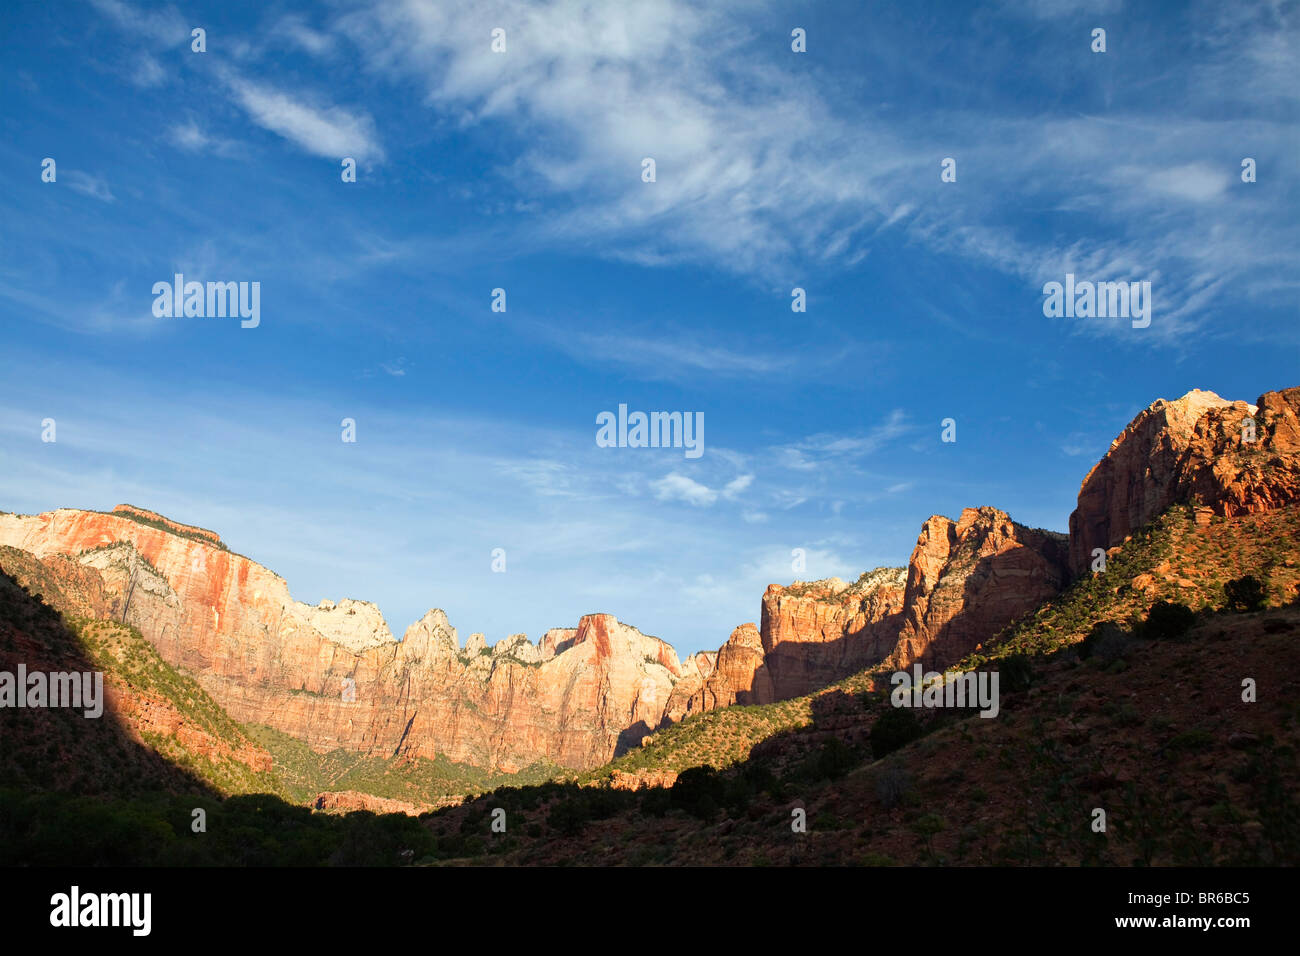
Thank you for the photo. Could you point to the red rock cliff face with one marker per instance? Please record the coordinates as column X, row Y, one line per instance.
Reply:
column 1224, row 471
column 333, row 676
column 968, row 579
column 736, row 674
column 1189, row 450
column 177, row 527
column 814, row 634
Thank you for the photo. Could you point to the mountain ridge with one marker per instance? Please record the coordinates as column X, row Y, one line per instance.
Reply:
column 333, row 674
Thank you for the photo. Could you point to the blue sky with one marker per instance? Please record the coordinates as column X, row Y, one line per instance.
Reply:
column 522, row 170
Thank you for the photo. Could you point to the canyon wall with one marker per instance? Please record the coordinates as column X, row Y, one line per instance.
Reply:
column 1195, row 449
column 332, row 674
column 968, row 579
column 965, row 581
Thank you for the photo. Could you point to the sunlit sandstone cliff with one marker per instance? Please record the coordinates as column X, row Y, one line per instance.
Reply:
column 1231, row 457
column 334, row 676
column 965, row 581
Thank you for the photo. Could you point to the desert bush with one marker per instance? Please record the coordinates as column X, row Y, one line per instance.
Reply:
column 892, row 785
column 1106, row 641
column 699, row 791
column 893, row 729
column 1168, row 621
column 835, row 759
column 1245, row 593
column 1015, row 673
column 568, row 816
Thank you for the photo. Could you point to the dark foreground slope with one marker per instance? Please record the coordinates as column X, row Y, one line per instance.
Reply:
column 151, row 780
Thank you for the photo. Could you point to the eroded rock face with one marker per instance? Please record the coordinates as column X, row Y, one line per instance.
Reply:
column 56, row 747
column 1189, row 450
column 148, row 713
column 736, row 674
column 1231, row 475
column 333, row 676
column 965, row 581
column 819, row 632
column 1135, row 481
column 812, row 634
column 642, row 779
column 968, row 579
column 347, row 801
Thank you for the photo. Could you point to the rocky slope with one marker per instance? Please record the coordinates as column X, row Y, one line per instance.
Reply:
column 1174, row 559
column 154, row 721
column 967, row 579
column 1154, row 729
column 1188, row 777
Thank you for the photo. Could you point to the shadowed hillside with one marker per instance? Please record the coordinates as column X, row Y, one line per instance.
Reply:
column 50, row 748
column 124, row 788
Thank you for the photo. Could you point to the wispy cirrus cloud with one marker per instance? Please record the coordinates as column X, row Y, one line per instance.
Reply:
column 763, row 174
column 815, row 451
column 758, row 172
column 678, row 487
column 191, row 137
column 96, row 187
column 678, row 357
column 162, row 25
column 319, row 129
column 295, row 29
column 304, row 117
column 148, row 72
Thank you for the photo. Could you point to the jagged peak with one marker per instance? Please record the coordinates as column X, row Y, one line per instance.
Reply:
column 1189, row 407
column 435, row 617
column 356, row 625
column 431, row 633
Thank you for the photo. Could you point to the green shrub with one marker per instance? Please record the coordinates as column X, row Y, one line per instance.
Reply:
column 1107, row 642
column 893, row 729
column 1015, row 673
column 1168, row 621
column 656, row 801
column 568, row 816
column 892, row 785
column 1191, row 740
column 699, row 791
column 835, row 759
column 1245, row 594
